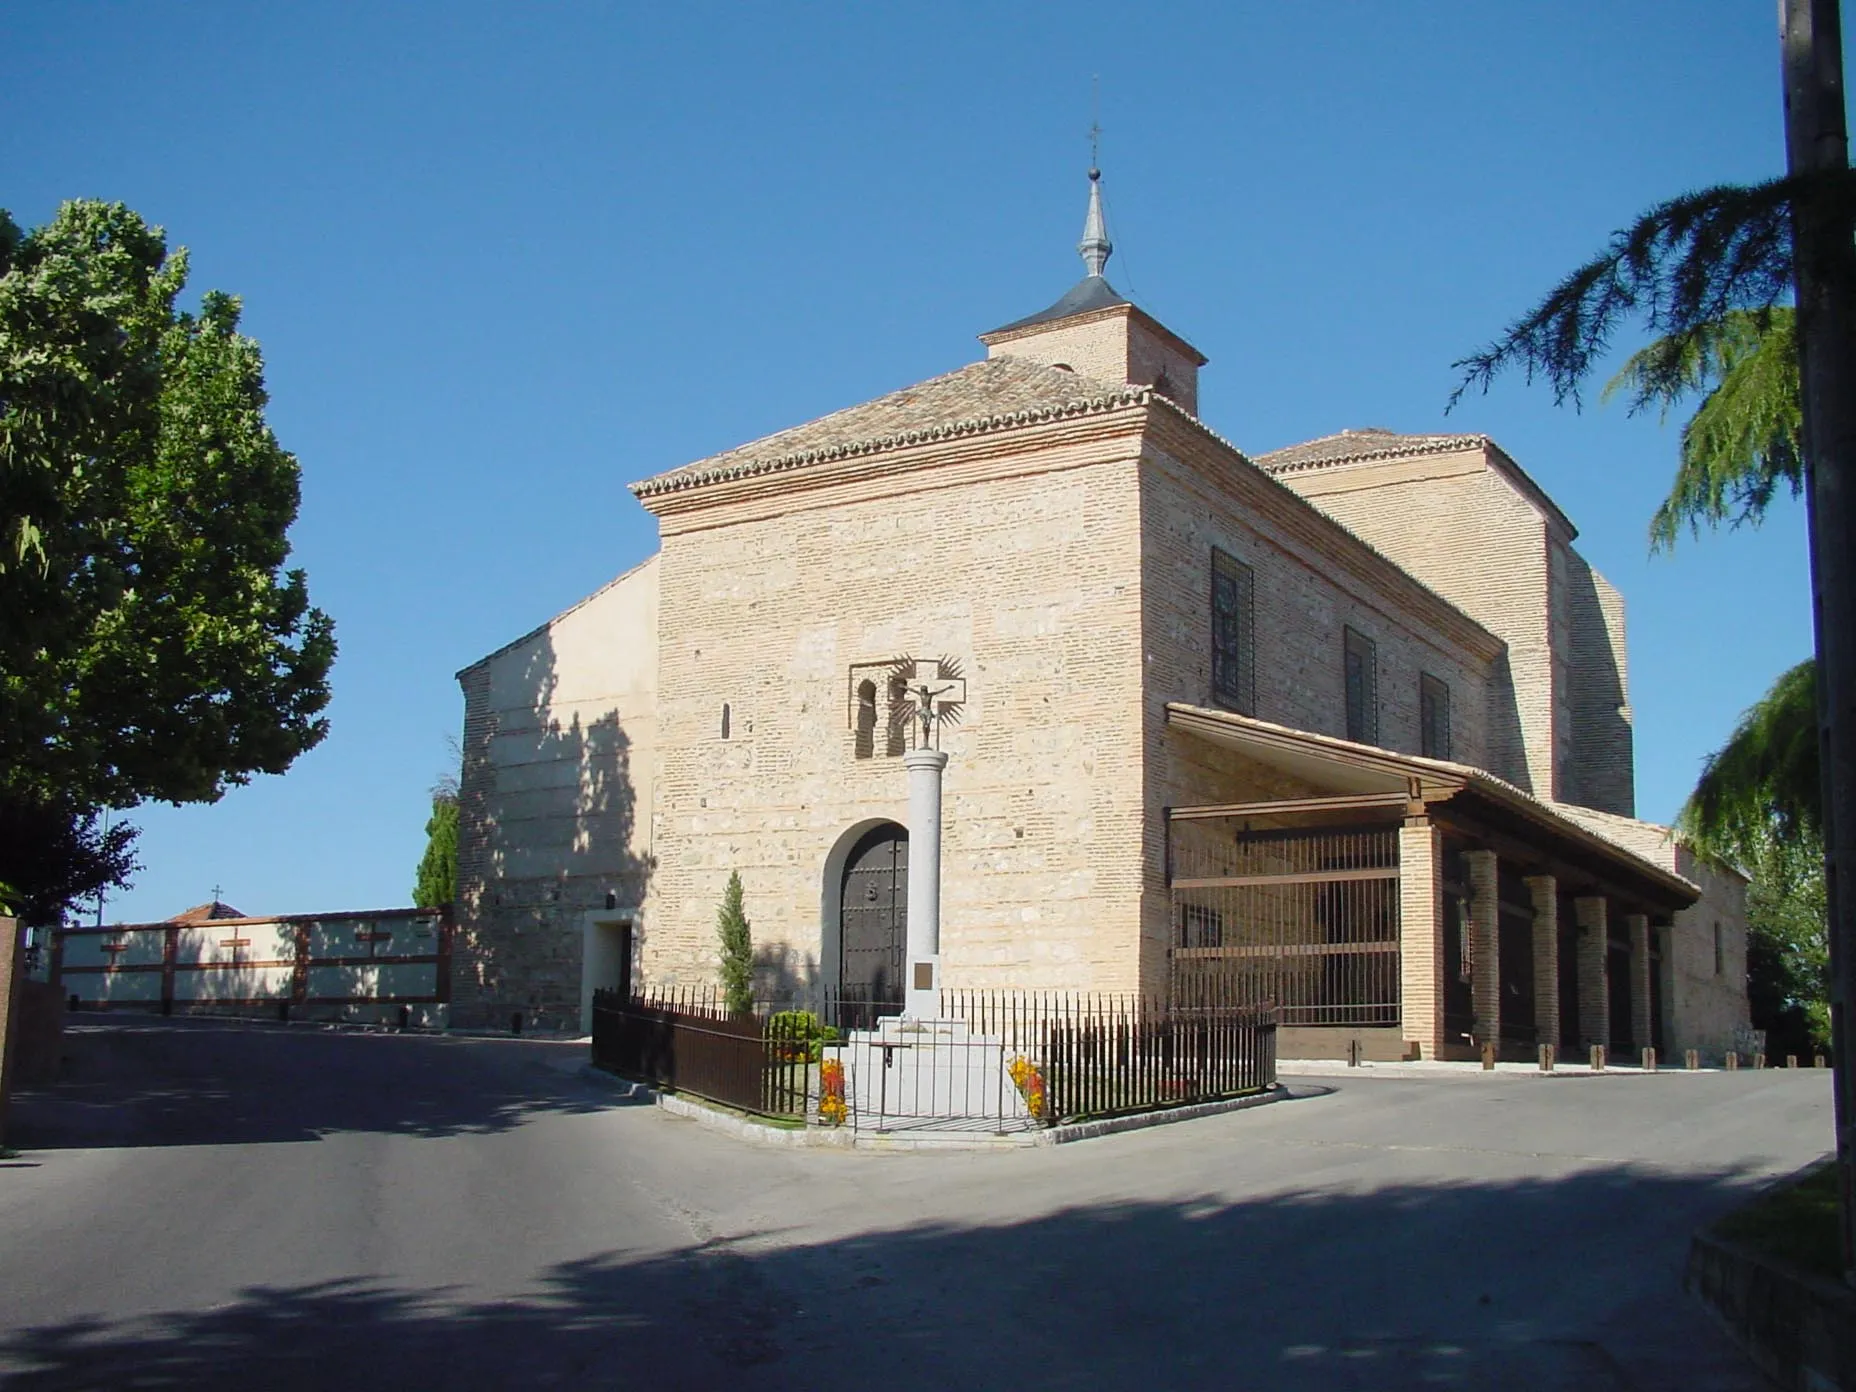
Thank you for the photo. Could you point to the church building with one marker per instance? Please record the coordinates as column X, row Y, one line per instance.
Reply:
column 1345, row 726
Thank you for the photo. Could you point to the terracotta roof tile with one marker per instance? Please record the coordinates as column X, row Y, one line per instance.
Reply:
column 1369, row 443
column 994, row 387
column 206, row 913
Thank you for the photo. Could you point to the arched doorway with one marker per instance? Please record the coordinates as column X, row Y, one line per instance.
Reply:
column 873, row 925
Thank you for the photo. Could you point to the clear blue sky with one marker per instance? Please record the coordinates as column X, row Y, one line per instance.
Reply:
column 504, row 260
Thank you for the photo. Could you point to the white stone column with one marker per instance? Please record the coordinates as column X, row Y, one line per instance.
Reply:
column 922, row 966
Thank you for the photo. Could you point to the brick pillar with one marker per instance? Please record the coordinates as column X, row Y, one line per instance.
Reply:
column 1545, row 890
column 1594, row 992
column 1421, row 934
column 1638, row 926
column 1485, row 945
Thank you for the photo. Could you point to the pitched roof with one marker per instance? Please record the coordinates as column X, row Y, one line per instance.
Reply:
column 1089, row 293
column 1373, row 442
column 1439, row 780
column 206, row 913
column 979, row 395
column 1370, row 442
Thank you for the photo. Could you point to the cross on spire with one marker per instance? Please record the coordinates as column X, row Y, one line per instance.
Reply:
column 1095, row 248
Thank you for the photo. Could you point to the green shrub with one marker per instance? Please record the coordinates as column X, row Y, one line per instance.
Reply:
column 799, row 1035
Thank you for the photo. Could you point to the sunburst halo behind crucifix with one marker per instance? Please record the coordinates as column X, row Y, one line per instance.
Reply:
column 931, row 692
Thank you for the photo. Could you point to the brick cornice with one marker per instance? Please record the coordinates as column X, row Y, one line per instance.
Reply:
column 1025, row 442
column 654, row 492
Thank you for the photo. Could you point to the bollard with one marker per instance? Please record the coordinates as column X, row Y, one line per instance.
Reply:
column 1488, row 1058
column 405, row 1018
column 1818, row 1062
column 1791, row 1060
column 1547, row 1058
column 72, row 1003
column 1598, row 1058
column 1733, row 1061
column 283, row 1012
column 515, row 1023
column 1649, row 1060
column 1759, row 1060
column 1353, row 1052
column 1692, row 1059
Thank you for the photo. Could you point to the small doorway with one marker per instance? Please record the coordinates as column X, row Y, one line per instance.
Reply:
column 606, row 963
column 873, row 926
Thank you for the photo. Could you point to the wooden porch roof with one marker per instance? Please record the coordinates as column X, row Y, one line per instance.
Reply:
column 1518, row 826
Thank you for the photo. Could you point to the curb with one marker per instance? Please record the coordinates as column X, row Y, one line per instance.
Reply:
column 1799, row 1329
column 754, row 1132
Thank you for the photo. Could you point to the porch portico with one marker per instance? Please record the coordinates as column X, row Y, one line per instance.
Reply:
column 1409, row 906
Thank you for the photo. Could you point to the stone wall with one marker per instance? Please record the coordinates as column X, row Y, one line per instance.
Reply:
column 1020, row 564
column 554, row 836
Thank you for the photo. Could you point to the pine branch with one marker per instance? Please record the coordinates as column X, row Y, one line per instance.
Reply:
column 1764, row 781
column 1680, row 267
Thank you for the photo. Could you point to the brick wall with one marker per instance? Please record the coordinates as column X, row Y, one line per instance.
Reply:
column 1603, row 750
column 1468, row 526
column 1702, row 1008
column 1119, row 346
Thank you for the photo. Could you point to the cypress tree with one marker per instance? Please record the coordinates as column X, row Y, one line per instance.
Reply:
column 731, row 926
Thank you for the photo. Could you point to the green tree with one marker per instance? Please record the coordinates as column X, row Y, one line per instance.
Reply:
column 1683, row 269
column 153, row 646
column 436, row 884
column 1744, row 441
column 737, row 944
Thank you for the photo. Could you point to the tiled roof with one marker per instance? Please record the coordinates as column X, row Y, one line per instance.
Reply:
column 1369, row 443
column 979, row 395
column 206, row 913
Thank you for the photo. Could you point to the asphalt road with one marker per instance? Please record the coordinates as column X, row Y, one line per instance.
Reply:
column 204, row 1206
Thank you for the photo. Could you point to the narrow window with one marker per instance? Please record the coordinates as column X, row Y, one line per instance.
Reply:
column 1720, row 955
column 1362, row 688
column 897, row 744
column 1234, row 634
column 866, row 719
column 1433, row 717
column 724, row 720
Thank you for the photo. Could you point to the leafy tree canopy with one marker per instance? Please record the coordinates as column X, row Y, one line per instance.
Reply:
column 153, row 646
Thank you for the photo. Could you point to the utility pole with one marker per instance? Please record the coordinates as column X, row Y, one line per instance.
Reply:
column 1824, row 279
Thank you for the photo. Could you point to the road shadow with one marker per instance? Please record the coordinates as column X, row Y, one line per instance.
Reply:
column 152, row 1082
column 1542, row 1284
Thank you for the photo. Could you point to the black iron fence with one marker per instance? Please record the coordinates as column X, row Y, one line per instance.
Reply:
column 688, row 1042
column 994, row 1060
column 1092, row 1055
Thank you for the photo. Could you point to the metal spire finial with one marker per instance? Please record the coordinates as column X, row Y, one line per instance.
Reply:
column 1095, row 248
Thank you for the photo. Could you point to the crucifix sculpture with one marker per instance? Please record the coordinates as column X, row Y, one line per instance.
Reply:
column 932, row 692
